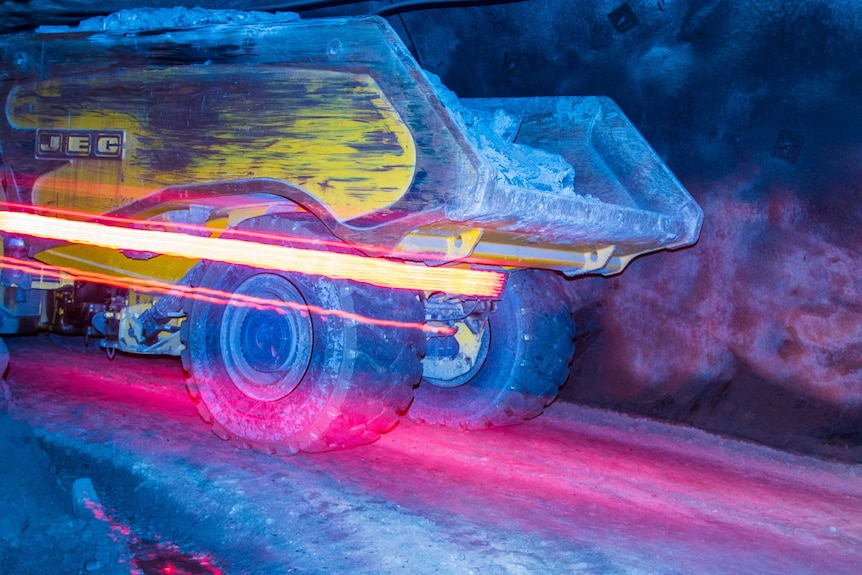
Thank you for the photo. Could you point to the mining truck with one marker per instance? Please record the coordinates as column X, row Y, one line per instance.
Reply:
column 265, row 197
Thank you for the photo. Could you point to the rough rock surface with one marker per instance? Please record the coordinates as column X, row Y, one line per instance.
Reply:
column 756, row 107
column 578, row 490
column 757, row 331
column 38, row 529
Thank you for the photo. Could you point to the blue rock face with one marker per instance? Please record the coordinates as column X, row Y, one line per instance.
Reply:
column 757, row 107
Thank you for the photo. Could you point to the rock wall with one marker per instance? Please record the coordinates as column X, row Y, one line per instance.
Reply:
column 757, row 107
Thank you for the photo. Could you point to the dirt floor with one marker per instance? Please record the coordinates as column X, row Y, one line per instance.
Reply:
column 577, row 490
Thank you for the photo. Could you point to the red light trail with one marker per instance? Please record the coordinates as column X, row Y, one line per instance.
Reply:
column 375, row 271
column 205, row 294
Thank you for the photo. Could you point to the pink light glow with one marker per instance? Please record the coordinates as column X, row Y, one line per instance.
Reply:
column 153, row 558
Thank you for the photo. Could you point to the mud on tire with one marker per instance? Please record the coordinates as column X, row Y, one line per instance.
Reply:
column 531, row 346
column 301, row 380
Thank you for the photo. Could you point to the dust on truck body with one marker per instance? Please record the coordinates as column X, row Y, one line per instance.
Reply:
column 321, row 135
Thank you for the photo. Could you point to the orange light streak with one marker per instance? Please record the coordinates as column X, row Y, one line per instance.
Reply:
column 373, row 271
column 207, row 295
column 195, row 229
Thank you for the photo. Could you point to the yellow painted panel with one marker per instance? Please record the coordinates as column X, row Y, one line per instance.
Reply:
column 114, row 263
column 333, row 134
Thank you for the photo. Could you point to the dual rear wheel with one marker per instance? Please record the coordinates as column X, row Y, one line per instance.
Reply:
column 526, row 347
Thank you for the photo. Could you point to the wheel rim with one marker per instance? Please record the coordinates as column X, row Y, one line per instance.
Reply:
column 476, row 363
column 266, row 350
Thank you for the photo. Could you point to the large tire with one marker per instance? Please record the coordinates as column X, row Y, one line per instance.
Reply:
column 531, row 346
column 300, row 380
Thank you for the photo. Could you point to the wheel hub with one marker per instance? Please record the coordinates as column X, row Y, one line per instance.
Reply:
column 267, row 350
column 267, row 341
column 453, row 360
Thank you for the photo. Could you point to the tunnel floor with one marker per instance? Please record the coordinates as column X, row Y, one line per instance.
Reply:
column 577, row 490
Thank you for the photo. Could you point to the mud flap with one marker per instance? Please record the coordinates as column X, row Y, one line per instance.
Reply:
column 21, row 310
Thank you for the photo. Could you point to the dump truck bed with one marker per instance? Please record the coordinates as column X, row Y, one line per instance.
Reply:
column 624, row 201
column 336, row 116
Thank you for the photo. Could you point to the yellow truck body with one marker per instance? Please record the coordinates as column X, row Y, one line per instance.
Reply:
column 326, row 130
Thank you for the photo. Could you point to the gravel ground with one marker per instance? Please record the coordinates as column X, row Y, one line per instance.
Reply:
column 577, row 490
